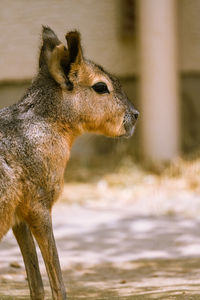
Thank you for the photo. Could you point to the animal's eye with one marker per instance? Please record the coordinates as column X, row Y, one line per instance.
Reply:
column 100, row 88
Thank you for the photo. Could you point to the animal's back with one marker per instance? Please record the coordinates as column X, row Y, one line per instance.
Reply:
column 10, row 188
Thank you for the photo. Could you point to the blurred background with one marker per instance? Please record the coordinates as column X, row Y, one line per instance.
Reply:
column 152, row 46
column 144, row 192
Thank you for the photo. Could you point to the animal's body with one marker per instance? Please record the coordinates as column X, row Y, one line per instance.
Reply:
column 69, row 96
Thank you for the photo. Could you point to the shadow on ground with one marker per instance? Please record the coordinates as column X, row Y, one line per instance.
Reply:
column 144, row 279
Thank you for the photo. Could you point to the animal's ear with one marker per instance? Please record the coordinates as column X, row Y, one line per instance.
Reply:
column 57, row 65
column 55, row 57
column 74, row 47
column 49, row 42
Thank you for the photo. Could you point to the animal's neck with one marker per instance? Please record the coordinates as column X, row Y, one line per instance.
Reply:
column 43, row 102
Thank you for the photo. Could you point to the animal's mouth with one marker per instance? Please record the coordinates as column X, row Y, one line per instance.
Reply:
column 129, row 132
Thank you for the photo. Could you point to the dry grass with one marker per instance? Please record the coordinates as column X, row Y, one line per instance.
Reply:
column 169, row 189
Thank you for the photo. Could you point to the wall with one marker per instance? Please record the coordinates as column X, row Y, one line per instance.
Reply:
column 189, row 35
column 189, row 65
column 98, row 21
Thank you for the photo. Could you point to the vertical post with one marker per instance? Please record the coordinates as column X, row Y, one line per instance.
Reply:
column 159, row 79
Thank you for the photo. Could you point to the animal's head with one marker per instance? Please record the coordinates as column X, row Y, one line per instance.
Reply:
column 94, row 100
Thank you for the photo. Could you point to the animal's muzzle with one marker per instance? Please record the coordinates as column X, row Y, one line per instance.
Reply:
column 130, row 119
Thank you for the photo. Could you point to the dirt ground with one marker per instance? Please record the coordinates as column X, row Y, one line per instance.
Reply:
column 130, row 234
column 144, row 279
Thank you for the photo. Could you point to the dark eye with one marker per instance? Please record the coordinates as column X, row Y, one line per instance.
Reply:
column 100, row 88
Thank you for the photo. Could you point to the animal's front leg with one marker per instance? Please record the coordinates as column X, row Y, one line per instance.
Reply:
column 41, row 227
column 27, row 246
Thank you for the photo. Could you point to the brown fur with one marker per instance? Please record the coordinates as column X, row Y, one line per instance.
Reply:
column 36, row 137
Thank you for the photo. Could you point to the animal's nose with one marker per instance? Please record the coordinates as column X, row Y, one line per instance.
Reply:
column 136, row 114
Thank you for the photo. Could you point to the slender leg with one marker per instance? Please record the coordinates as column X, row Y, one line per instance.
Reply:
column 41, row 227
column 27, row 246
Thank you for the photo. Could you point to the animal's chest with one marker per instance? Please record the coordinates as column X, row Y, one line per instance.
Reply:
column 45, row 165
